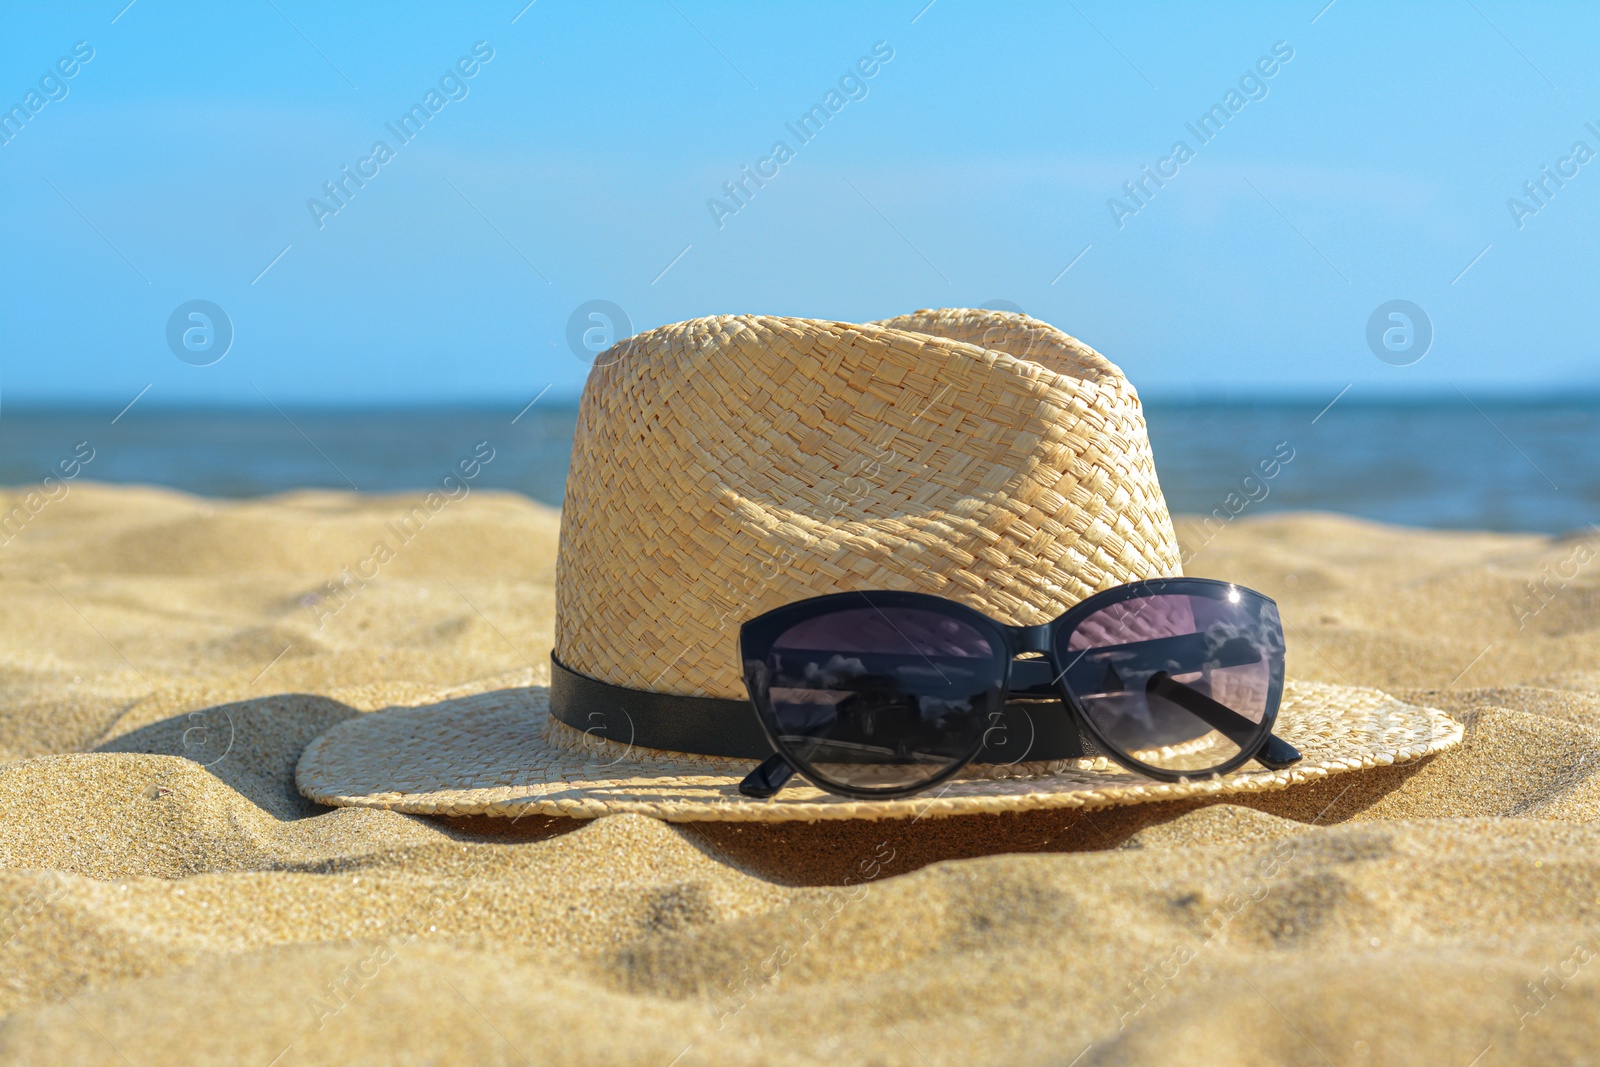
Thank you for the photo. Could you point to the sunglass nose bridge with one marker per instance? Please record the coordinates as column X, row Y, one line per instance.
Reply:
column 1031, row 676
column 1031, row 638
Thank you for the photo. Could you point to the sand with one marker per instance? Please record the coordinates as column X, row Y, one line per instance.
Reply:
column 166, row 896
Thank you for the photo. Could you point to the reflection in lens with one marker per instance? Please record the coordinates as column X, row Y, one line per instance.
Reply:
column 1177, row 682
column 883, row 698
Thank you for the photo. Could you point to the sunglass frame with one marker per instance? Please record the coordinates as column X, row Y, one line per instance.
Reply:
column 758, row 635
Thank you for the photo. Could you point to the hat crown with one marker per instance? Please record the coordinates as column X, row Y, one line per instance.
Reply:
column 725, row 466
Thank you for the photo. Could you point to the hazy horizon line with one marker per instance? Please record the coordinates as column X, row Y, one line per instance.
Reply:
column 1584, row 396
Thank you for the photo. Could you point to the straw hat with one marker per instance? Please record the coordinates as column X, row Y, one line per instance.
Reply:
column 728, row 465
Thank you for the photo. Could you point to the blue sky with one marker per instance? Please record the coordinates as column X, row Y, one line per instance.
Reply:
column 977, row 164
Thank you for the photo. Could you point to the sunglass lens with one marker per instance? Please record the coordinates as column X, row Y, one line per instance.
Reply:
column 1179, row 683
column 881, row 698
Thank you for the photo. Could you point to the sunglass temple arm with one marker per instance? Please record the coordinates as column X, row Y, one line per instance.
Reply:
column 1275, row 754
column 767, row 779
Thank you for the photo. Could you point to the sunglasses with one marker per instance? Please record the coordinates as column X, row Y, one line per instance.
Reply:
column 885, row 694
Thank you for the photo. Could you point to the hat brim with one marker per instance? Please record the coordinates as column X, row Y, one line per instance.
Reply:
column 501, row 753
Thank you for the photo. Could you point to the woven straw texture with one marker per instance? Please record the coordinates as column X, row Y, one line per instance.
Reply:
column 500, row 753
column 726, row 466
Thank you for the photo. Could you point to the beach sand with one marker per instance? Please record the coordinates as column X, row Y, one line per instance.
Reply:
column 168, row 897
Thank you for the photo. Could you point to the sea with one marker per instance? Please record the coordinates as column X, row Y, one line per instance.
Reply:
column 1450, row 463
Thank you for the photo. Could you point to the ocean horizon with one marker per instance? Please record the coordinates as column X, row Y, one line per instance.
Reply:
column 1507, row 464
